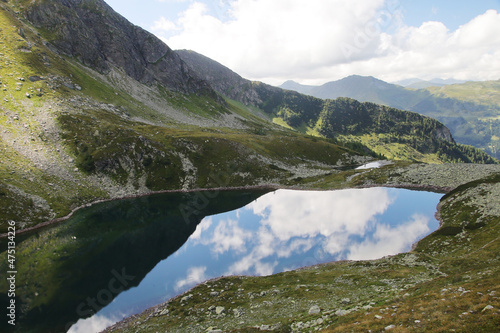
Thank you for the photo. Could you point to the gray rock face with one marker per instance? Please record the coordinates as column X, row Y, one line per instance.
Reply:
column 99, row 37
column 221, row 78
column 444, row 134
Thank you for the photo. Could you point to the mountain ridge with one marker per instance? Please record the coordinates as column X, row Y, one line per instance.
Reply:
column 307, row 113
column 92, row 32
column 469, row 109
column 417, row 83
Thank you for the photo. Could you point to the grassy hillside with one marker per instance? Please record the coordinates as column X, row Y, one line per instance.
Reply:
column 421, row 134
column 478, row 124
column 416, row 137
column 483, row 92
column 470, row 110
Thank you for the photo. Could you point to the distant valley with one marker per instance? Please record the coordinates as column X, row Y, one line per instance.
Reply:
column 471, row 110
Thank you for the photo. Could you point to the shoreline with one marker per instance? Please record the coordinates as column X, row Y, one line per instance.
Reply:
column 154, row 308
column 132, row 196
column 271, row 187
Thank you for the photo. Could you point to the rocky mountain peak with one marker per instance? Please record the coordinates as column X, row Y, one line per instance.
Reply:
column 100, row 38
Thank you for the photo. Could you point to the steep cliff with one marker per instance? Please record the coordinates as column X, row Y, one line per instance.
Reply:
column 99, row 38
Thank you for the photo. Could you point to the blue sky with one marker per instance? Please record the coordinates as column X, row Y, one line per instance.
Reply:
column 452, row 13
column 315, row 41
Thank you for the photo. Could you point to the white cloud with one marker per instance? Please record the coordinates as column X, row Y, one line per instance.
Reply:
column 319, row 226
column 226, row 235
column 292, row 214
column 194, row 276
column 336, row 243
column 296, row 245
column 164, row 25
column 274, row 37
column 316, row 41
column 388, row 240
column 295, row 222
column 201, row 227
column 252, row 263
column 265, row 269
column 470, row 52
column 480, row 32
column 93, row 324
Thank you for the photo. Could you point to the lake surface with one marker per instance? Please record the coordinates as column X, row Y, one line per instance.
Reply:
column 116, row 259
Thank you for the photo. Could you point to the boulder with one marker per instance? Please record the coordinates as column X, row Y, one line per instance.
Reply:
column 314, row 310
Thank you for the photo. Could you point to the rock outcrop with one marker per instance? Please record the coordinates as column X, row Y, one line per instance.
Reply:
column 443, row 133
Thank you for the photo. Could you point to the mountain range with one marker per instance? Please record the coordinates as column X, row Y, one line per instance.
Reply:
column 469, row 109
column 415, row 83
column 312, row 114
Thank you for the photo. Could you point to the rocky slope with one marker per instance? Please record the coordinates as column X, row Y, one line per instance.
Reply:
column 221, row 78
column 99, row 38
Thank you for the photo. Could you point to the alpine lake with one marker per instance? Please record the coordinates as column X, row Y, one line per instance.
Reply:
column 117, row 258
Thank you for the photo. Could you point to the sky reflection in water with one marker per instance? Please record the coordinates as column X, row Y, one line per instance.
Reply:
column 285, row 230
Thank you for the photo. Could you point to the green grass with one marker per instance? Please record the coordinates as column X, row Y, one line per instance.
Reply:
column 483, row 92
column 381, row 144
column 201, row 105
column 249, row 112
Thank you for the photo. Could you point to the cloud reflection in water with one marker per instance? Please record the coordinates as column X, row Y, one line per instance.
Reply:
column 288, row 229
